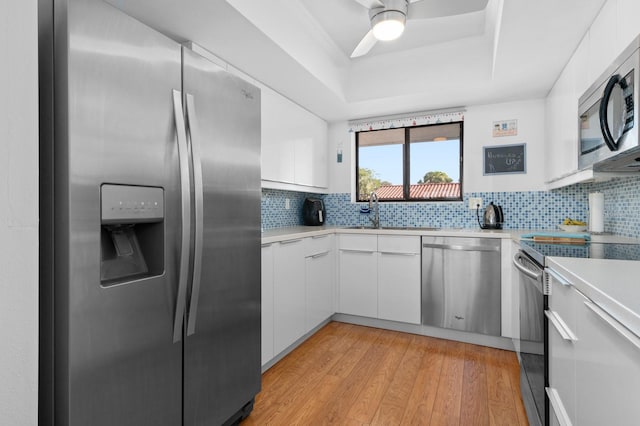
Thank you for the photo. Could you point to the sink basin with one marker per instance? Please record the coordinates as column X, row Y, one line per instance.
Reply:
column 410, row 228
column 396, row 228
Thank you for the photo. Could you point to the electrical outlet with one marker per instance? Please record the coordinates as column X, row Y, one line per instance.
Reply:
column 287, row 203
column 474, row 202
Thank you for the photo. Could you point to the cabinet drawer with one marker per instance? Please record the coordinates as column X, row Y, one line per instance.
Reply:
column 318, row 244
column 561, row 298
column 398, row 244
column 361, row 242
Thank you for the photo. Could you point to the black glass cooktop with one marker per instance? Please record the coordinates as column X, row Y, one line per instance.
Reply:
column 589, row 250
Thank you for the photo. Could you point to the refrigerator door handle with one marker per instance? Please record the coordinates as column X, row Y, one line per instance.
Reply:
column 185, row 188
column 199, row 214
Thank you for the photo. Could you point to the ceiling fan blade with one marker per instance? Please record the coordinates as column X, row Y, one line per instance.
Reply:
column 365, row 45
column 370, row 4
column 425, row 9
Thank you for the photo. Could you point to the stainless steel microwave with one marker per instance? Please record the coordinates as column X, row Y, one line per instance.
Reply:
column 608, row 116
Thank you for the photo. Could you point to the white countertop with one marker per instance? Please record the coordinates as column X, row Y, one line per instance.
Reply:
column 295, row 232
column 614, row 285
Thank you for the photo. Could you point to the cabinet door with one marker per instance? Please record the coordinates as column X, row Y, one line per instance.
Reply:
column 399, row 287
column 320, row 273
column 267, row 303
column 607, row 370
column 289, row 294
column 358, row 293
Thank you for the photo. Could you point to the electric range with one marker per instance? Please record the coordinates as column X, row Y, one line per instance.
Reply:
column 593, row 250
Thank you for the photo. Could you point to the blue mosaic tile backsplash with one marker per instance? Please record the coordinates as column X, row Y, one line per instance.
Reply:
column 522, row 210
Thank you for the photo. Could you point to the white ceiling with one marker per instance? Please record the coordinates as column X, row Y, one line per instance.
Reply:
column 515, row 49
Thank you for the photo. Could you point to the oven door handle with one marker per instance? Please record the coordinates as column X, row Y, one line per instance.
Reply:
column 526, row 271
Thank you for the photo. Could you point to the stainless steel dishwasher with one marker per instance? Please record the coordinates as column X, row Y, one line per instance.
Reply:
column 461, row 283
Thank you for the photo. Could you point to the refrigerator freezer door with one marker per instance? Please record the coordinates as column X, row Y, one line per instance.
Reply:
column 116, row 363
column 222, row 356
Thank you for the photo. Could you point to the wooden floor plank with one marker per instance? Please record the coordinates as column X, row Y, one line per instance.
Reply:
column 338, row 408
column 502, row 410
column 475, row 410
column 446, row 408
column 379, row 380
column 392, row 407
column 423, row 395
column 352, row 375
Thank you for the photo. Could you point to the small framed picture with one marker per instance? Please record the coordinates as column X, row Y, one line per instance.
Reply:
column 505, row 128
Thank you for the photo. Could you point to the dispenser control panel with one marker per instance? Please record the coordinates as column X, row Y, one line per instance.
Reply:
column 131, row 204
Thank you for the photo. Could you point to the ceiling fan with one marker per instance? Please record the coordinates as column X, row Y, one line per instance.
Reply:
column 388, row 17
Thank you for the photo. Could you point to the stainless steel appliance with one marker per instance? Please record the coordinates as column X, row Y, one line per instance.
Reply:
column 608, row 113
column 461, row 281
column 493, row 217
column 532, row 346
column 150, row 207
column 532, row 342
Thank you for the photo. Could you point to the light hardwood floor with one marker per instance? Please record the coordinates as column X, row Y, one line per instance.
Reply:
column 352, row 375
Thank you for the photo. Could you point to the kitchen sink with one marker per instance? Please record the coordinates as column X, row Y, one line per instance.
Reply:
column 396, row 228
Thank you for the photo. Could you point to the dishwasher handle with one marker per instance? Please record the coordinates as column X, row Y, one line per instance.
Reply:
column 460, row 247
column 528, row 272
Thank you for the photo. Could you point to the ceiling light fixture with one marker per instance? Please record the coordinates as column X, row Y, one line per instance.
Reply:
column 388, row 25
column 387, row 22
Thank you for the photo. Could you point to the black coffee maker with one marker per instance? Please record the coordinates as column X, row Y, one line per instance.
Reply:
column 313, row 213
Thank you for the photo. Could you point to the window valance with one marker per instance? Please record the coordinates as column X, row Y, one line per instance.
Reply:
column 407, row 120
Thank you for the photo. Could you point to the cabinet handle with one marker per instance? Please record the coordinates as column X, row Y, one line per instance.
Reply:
column 290, row 241
column 562, row 280
column 558, row 407
column 391, row 253
column 315, row 256
column 317, row 237
column 358, row 251
column 615, row 324
column 460, row 247
column 560, row 326
column 266, row 245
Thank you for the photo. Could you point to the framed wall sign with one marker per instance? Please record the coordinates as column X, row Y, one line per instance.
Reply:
column 505, row 128
column 505, row 159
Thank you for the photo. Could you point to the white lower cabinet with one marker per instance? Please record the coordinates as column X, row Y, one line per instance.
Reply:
column 399, row 278
column 594, row 361
column 320, row 273
column 298, row 290
column 607, row 370
column 267, row 303
column 358, row 283
column 289, row 297
column 379, row 277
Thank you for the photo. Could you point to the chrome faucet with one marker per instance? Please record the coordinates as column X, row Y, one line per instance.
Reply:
column 373, row 198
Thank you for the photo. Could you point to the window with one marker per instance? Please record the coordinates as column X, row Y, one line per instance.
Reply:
column 421, row 163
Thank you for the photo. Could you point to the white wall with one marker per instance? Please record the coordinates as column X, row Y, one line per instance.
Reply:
column 478, row 127
column 18, row 213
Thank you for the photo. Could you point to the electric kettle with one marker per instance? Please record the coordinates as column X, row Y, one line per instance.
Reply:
column 493, row 218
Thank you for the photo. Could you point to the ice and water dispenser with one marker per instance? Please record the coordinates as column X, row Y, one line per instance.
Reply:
column 132, row 232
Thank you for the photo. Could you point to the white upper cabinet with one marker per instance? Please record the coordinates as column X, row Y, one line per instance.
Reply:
column 603, row 46
column 294, row 144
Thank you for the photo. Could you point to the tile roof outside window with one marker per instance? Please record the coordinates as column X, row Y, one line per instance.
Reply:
column 425, row 191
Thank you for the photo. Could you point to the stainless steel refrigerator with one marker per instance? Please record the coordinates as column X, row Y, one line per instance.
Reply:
column 150, row 226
